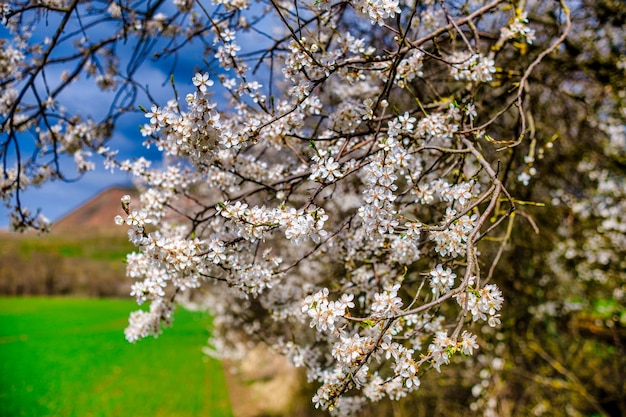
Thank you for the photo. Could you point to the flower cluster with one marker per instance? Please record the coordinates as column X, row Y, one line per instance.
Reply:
column 519, row 29
column 142, row 324
column 471, row 67
column 409, row 68
column 255, row 223
column 441, row 280
column 378, row 10
column 483, row 304
column 324, row 313
column 451, row 241
column 5, row 9
column 443, row 347
column 387, row 303
column 327, row 168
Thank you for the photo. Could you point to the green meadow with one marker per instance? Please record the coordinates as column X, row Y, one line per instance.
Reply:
column 105, row 247
column 70, row 264
column 68, row 357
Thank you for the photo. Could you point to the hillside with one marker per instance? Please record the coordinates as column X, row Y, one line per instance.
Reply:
column 83, row 255
column 96, row 215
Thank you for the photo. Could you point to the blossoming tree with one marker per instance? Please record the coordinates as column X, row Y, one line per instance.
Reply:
column 339, row 186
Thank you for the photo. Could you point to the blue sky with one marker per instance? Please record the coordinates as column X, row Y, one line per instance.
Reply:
column 59, row 198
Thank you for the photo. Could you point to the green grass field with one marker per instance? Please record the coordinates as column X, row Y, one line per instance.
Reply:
column 112, row 247
column 68, row 357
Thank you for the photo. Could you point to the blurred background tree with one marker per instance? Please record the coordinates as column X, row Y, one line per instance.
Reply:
column 561, row 350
